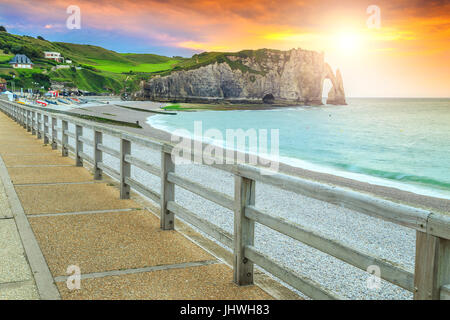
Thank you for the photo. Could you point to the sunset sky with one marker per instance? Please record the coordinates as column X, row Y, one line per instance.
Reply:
column 408, row 56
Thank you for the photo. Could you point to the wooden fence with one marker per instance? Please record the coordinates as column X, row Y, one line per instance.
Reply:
column 431, row 277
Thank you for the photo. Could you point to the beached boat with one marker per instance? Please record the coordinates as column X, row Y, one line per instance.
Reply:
column 50, row 101
column 63, row 101
column 43, row 103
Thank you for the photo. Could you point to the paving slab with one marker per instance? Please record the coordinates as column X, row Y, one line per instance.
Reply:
column 23, row 139
column 22, row 150
column 5, row 209
column 111, row 241
column 14, row 133
column 49, row 175
column 39, row 159
column 13, row 264
column 19, row 291
column 212, row 282
column 71, row 198
column 26, row 142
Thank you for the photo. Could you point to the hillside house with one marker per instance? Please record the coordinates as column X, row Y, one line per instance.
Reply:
column 53, row 56
column 21, row 61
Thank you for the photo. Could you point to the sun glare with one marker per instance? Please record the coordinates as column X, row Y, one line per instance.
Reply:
column 348, row 42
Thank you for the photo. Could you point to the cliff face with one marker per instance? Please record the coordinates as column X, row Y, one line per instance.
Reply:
column 293, row 77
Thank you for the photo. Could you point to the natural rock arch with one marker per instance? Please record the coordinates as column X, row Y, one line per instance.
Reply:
column 337, row 94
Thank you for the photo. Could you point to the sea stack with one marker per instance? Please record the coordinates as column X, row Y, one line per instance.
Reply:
column 336, row 95
column 293, row 77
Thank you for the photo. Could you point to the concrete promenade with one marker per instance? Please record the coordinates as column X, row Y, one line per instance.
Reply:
column 54, row 215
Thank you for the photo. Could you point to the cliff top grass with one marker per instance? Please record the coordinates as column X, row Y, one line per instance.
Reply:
column 121, row 67
column 206, row 58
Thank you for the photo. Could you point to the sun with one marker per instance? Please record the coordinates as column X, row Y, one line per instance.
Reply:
column 348, row 42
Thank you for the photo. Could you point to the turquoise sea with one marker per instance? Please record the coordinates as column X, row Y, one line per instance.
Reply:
column 403, row 143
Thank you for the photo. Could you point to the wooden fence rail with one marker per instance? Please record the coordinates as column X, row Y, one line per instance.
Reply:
column 431, row 277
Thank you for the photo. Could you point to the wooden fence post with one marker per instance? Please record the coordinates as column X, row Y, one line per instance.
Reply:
column 22, row 118
column 54, row 134
column 28, row 121
column 38, row 124
column 64, row 139
column 167, row 191
column 33, row 123
column 432, row 267
column 46, row 140
column 125, row 168
column 98, row 155
column 78, row 146
column 244, row 230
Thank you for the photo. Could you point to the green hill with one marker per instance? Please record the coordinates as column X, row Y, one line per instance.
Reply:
column 102, row 70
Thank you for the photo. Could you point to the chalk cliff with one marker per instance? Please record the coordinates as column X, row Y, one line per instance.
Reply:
column 270, row 76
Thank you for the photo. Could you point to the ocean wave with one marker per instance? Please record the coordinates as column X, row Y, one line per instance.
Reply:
column 412, row 183
column 415, row 184
column 399, row 176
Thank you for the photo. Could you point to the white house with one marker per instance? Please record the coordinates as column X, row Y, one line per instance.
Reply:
column 21, row 61
column 53, row 56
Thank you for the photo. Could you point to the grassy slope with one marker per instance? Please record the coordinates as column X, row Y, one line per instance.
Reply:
column 107, row 66
column 111, row 61
column 88, row 80
column 146, row 58
column 120, row 67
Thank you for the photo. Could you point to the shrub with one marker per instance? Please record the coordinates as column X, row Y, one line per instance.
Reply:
column 16, row 48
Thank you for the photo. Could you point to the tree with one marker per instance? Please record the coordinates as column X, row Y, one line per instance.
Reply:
column 41, row 38
column 42, row 79
column 32, row 52
column 3, row 29
column 16, row 48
